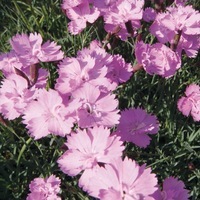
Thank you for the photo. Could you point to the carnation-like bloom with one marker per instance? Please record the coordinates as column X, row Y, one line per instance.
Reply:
column 88, row 148
column 15, row 96
column 190, row 104
column 8, row 63
column 135, row 124
column 48, row 115
column 96, row 108
column 157, row 59
column 30, row 49
column 80, row 15
column 44, row 188
column 121, row 180
column 174, row 189
column 122, row 12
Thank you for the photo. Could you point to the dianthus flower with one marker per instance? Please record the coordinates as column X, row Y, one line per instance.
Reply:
column 121, row 180
column 157, row 59
column 190, row 104
column 88, row 148
column 179, row 20
column 80, row 15
column 44, row 189
column 122, row 12
column 15, row 96
column 96, row 108
column 30, row 50
column 48, row 115
column 74, row 72
column 174, row 189
column 135, row 124
column 8, row 62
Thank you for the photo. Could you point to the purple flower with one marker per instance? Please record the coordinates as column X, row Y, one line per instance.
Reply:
column 135, row 124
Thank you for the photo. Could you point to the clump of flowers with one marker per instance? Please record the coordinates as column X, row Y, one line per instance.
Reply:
column 190, row 103
column 44, row 188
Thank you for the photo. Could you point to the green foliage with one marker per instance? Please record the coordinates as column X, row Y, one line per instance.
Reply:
column 174, row 151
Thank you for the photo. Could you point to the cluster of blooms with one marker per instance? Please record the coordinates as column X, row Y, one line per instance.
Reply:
column 190, row 105
column 44, row 189
column 118, row 15
column 83, row 96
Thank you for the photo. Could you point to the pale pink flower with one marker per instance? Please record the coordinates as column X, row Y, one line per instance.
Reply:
column 8, row 63
column 44, row 188
column 174, row 189
column 190, row 104
column 135, row 124
column 71, row 3
column 103, row 5
column 74, row 72
column 157, row 59
column 88, row 148
column 118, row 70
column 79, row 16
column 15, row 96
column 96, row 108
column 176, row 20
column 30, row 49
column 121, row 180
column 48, row 115
column 149, row 14
column 120, row 13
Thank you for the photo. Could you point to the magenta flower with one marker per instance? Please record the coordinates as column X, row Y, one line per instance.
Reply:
column 15, row 96
column 88, row 148
column 79, row 16
column 44, row 189
column 48, row 115
column 174, row 189
column 149, row 14
column 135, row 124
column 157, row 59
column 96, row 108
column 30, row 49
column 190, row 105
column 121, row 180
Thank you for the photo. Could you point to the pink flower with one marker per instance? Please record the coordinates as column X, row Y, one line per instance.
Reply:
column 135, row 124
column 121, row 180
column 88, row 148
column 30, row 49
column 176, row 19
column 121, row 12
column 174, row 189
column 157, row 59
column 190, row 105
column 119, row 70
column 15, row 96
column 48, row 115
column 8, row 63
column 74, row 72
column 44, row 189
column 96, row 108
column 79, row 16
column 149, row 14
